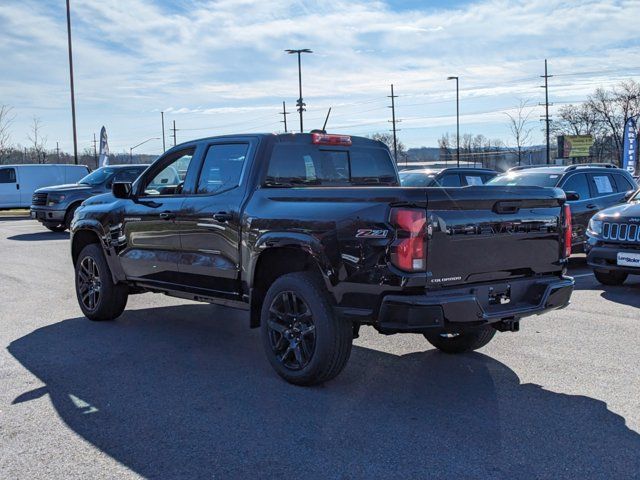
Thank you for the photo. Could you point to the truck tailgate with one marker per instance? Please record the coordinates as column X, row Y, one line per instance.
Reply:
column 479, row 234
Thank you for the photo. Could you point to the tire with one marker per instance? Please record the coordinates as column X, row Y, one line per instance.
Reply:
column 304, row 341
column 69, row 216
column 55, row 227
column 461, row 342
column 610, row 277
column 99, row 298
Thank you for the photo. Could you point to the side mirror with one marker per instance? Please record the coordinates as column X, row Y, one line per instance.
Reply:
column 628, row 195
column 121, row 189
column 572, row 196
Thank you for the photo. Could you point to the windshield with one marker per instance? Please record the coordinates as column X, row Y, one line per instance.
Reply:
column 526, row 179
column 98, row 177
column 416, row 179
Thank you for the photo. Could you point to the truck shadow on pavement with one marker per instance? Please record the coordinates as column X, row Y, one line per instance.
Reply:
column 175, row 393
column 40, row 236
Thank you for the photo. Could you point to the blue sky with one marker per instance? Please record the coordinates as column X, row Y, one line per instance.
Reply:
column 218, row 67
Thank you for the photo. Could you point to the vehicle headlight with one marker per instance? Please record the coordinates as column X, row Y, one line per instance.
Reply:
column 55, row 198
column 595, row 226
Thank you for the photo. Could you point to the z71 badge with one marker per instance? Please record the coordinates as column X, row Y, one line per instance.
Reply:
column 371, row 233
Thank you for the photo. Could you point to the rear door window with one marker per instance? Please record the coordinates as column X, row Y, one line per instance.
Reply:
column 603, row 184
column 578, row 183
column 450, row 180
column 222, row 167
column 7, row 175
column 470, row 179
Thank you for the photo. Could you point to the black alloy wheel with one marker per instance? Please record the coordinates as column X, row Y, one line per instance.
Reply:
column 291, row 331
column 89, row 283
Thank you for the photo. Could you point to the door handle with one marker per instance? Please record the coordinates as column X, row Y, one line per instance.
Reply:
column 222, row 217
column 592, row 206
column 167, row 215
column 17, row 186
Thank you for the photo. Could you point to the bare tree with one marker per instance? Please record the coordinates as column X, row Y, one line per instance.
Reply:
column 519, row 126
column 38, row 141
column 444, row 143
column 613, row 107
column 6, row 120
column 387, row 139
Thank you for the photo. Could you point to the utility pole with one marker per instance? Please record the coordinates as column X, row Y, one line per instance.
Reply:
column 546, row 104
column 393, row 123
column 300, row 103
column 174, row 133
column 95, row 150
column 284, row 114
column 164, row 145
column 58, row 151
column 73, row 97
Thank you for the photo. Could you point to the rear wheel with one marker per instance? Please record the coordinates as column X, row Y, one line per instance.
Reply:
column 98, row 296
column 460, row 342
column 610, row 277
column 304, row 341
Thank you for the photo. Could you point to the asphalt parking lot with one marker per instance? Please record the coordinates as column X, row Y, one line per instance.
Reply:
column 175, row 389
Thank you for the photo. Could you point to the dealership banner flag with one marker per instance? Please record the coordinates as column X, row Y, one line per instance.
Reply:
column 630, row 148
column 104, row 149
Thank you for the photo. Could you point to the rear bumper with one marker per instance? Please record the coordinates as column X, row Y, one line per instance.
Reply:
column 606, row 258
column 458, row 308
column 47, row 215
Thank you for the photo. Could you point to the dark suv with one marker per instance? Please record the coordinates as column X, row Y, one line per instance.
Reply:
column 54, row 206
column 589, row 189
column 446, row 177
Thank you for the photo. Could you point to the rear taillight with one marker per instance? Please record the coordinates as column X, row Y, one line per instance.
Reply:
column 409, row 251
column 568, row 231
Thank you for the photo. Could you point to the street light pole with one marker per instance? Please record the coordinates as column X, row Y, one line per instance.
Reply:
column 457, row 119
column 136, row 146
column 73, row 98
column 300, row 103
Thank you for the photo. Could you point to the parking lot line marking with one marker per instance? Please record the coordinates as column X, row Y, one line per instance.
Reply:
column 582, row 275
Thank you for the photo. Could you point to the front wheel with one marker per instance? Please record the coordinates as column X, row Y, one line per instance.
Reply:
column 610, row 277
column 305, row 342
column 460, row 342
column 98, row 296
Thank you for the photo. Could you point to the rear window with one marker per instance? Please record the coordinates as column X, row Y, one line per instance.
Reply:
column 295, row 164
column 527, row 179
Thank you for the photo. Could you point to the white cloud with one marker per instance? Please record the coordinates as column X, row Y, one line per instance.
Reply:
column 224, row 61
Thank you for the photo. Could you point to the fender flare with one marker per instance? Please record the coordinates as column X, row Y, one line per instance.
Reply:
column 300, row 241
column 110, row 254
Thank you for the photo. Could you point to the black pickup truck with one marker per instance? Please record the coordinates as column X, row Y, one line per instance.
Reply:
column 314, row 237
